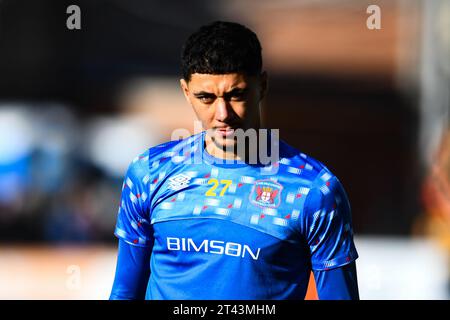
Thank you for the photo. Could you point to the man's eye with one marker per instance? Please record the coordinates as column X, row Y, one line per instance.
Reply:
column 205, row 99
column 237, row 97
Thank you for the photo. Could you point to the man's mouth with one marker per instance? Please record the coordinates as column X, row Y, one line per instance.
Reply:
column 225, row 132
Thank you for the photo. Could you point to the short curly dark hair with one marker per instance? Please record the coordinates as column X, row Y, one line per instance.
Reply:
column 220, row 48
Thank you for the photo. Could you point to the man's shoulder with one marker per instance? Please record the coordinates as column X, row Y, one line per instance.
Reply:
column 174, row 147
column 324, row 187
column 306, row 166
column 157, row 154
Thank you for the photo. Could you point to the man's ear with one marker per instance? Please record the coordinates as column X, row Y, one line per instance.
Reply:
column 263, row 85
column 185, row 89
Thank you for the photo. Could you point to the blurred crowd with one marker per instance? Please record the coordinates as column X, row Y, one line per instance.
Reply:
column 61, row 176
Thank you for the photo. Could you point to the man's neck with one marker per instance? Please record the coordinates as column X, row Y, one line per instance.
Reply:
column 217, row 152
column 241, row 154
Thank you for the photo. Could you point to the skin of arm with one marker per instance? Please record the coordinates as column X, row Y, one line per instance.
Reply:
column 132, row 272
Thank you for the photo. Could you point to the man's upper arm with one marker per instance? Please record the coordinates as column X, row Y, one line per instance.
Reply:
column 329, row 233
column 133, row 218
column 327, row 224
column 134, row 230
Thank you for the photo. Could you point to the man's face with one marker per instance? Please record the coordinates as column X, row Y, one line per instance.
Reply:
column 225, row 102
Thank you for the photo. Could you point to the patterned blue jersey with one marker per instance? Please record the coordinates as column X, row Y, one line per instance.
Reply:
column 232, row 230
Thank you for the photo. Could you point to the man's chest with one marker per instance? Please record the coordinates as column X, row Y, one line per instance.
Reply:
column 270, row 204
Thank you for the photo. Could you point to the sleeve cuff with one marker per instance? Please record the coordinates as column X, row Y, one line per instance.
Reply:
column 134, row 241
column 334, row 263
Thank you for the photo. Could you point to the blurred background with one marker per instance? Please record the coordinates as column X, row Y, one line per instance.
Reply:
column 76, row 106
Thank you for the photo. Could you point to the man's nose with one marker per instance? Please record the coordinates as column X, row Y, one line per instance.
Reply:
column 222, row 112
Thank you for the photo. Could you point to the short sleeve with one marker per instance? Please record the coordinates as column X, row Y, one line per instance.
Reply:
column 133, row 224
column 327, row 224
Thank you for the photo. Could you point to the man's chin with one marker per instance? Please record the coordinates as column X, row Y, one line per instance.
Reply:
column 224, row 142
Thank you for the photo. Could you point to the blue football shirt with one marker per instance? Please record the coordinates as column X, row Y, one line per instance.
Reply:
column 230, row 230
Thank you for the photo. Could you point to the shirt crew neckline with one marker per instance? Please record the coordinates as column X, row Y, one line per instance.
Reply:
column 219, row 162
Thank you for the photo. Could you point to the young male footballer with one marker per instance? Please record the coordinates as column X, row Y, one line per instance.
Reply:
column 208, row 217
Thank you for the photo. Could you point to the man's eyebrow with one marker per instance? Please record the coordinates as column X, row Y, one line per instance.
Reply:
column 203, row 93
column 232, row 91
column 237, row 90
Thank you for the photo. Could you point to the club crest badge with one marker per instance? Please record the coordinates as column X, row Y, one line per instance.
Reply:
column 266, row 194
